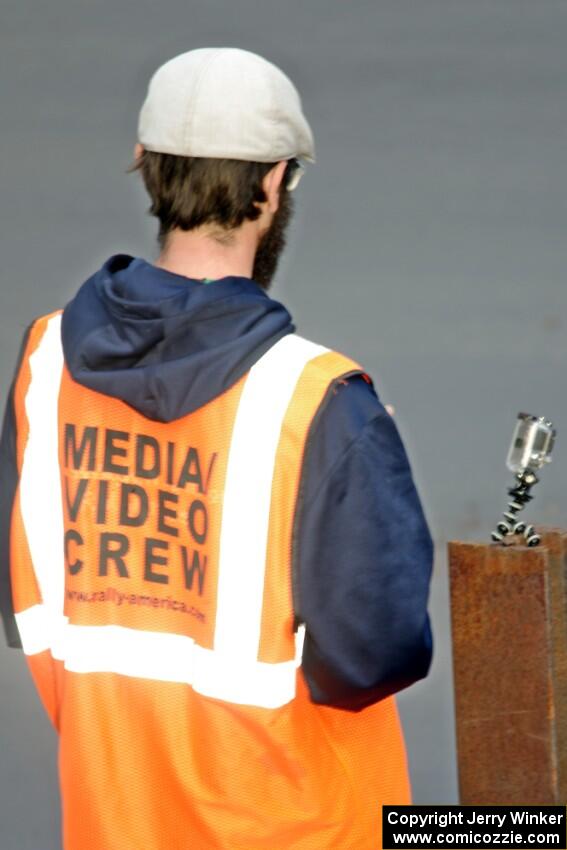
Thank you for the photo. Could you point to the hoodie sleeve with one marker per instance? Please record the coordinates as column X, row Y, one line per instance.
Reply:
column 362, row 556
column 9, row 480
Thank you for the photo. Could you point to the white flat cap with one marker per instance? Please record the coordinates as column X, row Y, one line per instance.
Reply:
column 224, row 103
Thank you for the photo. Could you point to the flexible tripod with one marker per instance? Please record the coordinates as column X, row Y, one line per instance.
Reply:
column 520, row 495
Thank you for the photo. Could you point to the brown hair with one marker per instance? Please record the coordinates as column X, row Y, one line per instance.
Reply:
column 187, row 192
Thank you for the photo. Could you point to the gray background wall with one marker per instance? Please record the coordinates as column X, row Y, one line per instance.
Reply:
column 429, row 244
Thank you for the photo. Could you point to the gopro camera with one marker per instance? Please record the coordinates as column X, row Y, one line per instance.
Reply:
column 530, row 450
column 532, row 443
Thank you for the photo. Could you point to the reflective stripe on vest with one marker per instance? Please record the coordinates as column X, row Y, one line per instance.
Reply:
column 40, row 487
column 230, row 670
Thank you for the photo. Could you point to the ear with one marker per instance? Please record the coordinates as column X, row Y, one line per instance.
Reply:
column 138, row 151
column 271, row 185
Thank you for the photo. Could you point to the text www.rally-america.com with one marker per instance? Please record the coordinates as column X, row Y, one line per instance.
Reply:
column 119, row 598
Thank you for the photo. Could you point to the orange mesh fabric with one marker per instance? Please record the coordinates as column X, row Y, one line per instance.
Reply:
column 154, row 765
column 143, row 507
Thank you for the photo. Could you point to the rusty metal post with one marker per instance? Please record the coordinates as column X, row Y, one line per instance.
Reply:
column 509, row 626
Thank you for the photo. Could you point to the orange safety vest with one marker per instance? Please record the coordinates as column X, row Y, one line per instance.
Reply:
column 151, row 575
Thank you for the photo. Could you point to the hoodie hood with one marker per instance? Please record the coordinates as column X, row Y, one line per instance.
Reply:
column 163, row 343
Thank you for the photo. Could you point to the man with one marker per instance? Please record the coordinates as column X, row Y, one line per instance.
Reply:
column 215, row 558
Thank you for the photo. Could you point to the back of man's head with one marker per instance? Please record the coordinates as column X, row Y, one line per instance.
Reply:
column 215, row 121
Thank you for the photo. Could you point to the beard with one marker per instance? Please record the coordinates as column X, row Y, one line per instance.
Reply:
column 272, row 242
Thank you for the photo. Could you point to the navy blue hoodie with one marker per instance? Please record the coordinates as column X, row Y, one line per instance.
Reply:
column 362, row 553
